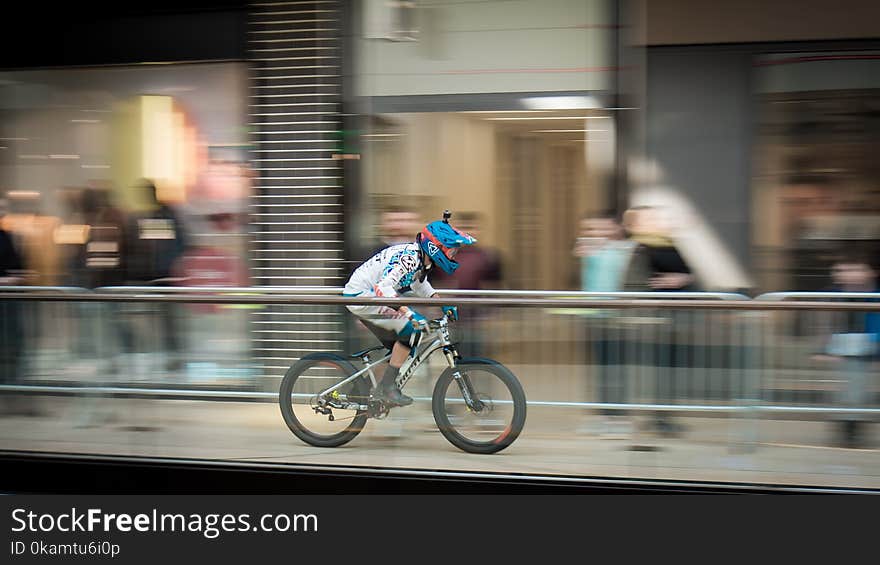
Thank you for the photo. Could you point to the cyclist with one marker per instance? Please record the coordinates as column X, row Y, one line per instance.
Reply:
column 401, row 270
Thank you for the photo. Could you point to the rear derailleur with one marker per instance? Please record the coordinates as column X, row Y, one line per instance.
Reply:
column 323, row 409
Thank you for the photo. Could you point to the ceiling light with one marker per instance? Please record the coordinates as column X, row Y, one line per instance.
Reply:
column 502, row 111
column 564, row 130
column 550, row 118
column 561, row 102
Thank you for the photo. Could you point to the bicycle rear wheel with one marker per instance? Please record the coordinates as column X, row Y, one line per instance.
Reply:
column 500, row 413
column 298, row 399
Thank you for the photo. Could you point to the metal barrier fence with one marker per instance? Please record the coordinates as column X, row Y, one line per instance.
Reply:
column 829, row 357
column 616, row 352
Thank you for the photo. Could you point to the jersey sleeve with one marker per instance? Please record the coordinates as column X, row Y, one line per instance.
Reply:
column 423, row 289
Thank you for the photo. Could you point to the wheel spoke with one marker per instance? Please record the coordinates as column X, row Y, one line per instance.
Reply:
column 326, row 423
column 483, row 424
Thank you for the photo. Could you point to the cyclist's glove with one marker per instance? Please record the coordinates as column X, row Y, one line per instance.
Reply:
column 418, row 322
column 450, row 311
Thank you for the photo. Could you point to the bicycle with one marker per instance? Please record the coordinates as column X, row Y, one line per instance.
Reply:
column 326, row 401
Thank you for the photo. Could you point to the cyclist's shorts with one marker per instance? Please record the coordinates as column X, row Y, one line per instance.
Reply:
column 385, row 326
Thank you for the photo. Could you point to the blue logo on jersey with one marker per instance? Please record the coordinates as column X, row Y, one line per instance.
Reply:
column 409, row 260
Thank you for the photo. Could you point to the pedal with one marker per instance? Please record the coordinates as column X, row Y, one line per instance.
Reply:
column 378, row 410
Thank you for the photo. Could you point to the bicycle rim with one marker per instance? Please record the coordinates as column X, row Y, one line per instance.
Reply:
column 299, row 398
column 494, row 424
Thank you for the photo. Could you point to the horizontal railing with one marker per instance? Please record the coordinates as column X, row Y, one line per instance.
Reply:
column 336, row 291
column 609, row 301
column 738, row 357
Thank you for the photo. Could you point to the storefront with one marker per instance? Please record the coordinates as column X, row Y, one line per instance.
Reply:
column 505, row 114
column 315, row 117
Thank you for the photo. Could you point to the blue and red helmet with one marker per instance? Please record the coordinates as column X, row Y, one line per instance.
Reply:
column 441, row 242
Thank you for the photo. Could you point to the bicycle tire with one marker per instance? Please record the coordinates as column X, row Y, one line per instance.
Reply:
column 296, row 425
column 441, row 416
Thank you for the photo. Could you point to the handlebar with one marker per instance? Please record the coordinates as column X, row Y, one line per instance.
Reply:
column 440, row 322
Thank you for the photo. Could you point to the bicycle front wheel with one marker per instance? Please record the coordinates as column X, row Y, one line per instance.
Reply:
column 298, row 397
column 498, row 407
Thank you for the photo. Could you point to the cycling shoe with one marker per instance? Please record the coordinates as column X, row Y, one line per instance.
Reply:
column 392, row 396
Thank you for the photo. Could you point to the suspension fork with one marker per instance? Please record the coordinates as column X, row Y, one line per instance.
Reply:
column 463, row 381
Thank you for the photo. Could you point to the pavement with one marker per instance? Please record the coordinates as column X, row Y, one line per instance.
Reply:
column 555, row 441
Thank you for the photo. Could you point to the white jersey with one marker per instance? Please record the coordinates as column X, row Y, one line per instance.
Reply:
column 389, row 273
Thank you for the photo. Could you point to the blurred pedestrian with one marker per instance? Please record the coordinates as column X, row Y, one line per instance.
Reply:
column 605, row 255
column 657, row 265
column 605, row 252
column 104, row 264
column 34, row 230
column 11, row 263
column 71, row 236
column 104, row 259
column 479, row 268
column 397, row 224
column 658, row 257
column 810, row 208
column 854, row 343
column 11, row 331
column 156, row 239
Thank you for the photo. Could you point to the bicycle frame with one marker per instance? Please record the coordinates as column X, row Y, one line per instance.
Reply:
column 439, row 339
